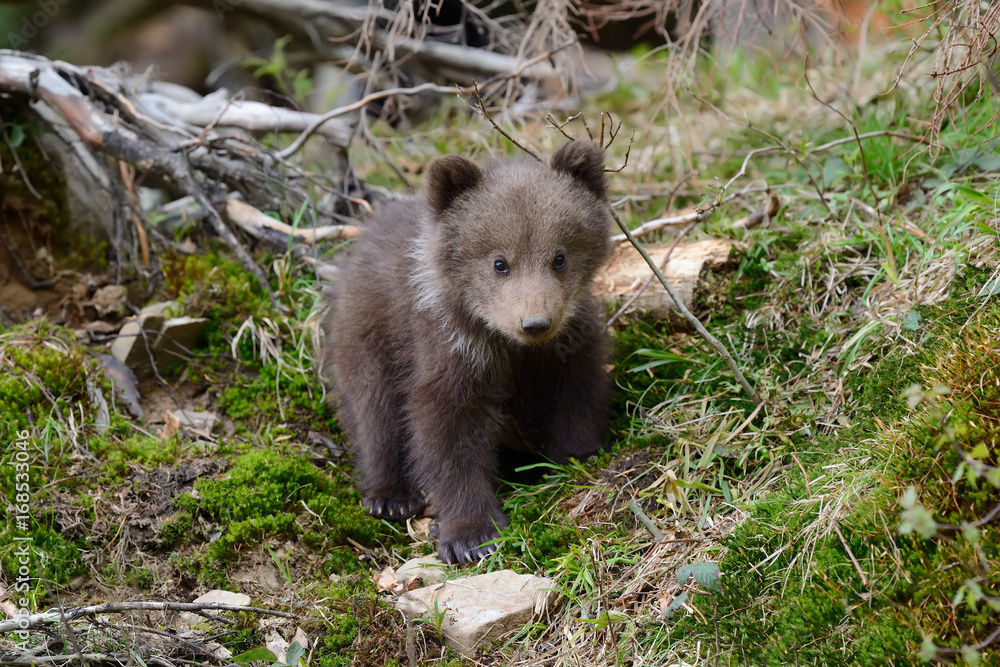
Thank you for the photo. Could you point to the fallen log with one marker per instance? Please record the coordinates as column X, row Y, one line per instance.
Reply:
column 625, row 273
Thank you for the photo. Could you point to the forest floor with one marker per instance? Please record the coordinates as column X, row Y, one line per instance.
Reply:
column 850, row 519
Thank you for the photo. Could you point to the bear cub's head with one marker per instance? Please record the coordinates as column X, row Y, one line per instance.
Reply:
column 518, row 242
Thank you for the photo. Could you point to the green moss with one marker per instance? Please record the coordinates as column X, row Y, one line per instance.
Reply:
column 359, row 628
column 259, row 498
column 118, row 456
column 267, row 394
column 44, row 377
column 825, row 613
column 217, row 287
column 225, row 549
column 245, row 638
column 141, row 577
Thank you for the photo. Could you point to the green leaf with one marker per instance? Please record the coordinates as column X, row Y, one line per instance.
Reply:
column 918, row 519
column 912, row 322
column 16, row 135
column 254, row 654
column 991, row 288
column 293, row 653
column 605, row 620
column 678, row 603
column 697, row 485
column 708, row 575
column 659, row 357
column 833, row 170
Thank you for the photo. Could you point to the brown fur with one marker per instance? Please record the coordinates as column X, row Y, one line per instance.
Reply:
column 439, row 358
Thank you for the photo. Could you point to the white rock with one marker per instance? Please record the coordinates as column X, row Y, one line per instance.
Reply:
column 481, row 608
column 223, row 597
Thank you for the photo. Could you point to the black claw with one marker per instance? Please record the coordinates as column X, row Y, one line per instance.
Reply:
column 389, row 508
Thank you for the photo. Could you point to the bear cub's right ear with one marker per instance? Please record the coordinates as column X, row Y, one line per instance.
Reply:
column 448, row 177
column 583, row 161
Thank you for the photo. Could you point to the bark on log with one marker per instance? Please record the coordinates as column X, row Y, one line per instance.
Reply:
column 626, row 271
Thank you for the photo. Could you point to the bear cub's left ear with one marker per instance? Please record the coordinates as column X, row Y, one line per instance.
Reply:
column 448, row 178
column 584, row 162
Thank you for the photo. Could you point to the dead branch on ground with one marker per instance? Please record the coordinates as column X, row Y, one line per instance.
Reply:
column 178, row 141
column 54, row 616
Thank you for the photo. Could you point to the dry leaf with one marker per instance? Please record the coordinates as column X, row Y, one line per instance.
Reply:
column 419, row 529
column 171, row 424
column 386, row 579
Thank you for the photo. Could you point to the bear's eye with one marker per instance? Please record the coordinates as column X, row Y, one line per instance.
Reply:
column 559, row 262
column 500, row 266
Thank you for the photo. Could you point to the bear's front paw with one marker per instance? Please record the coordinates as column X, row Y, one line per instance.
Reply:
column 464, row 541
column 393, row 507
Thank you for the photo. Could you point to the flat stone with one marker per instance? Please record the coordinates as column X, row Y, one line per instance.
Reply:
column 199, row 422
column 481, row 608
column 130, row 345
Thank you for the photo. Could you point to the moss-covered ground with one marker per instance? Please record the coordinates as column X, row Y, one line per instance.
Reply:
column 851, row 518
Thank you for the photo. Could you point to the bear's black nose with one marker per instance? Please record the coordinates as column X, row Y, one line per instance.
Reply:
column 536, row 325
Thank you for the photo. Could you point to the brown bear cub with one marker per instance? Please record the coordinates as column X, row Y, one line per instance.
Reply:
column 464, row 322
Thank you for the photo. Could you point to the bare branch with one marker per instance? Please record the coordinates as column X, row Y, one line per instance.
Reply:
column 482, row 107
column 59, row 615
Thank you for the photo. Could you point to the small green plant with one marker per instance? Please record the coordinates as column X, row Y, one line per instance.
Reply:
column 437, row 616
column 294, row 83
column 283, row 567
column 294, row 656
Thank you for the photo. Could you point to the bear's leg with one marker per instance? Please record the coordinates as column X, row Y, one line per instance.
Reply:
column 455, row 455
column 571, row 395
column 380, row 436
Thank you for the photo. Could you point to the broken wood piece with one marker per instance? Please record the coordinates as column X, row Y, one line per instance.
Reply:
column 626, row 271
column 152, row 340
column 263, row 226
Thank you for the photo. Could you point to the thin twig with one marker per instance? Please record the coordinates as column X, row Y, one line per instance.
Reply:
column 804, row 475
column 990, row 638
column 300, row 140
column 857, row 566
column 686, row 314
column 482, row 107
column 642, row 288
column 659, row 223
column 628, row 151
column 869, row 135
